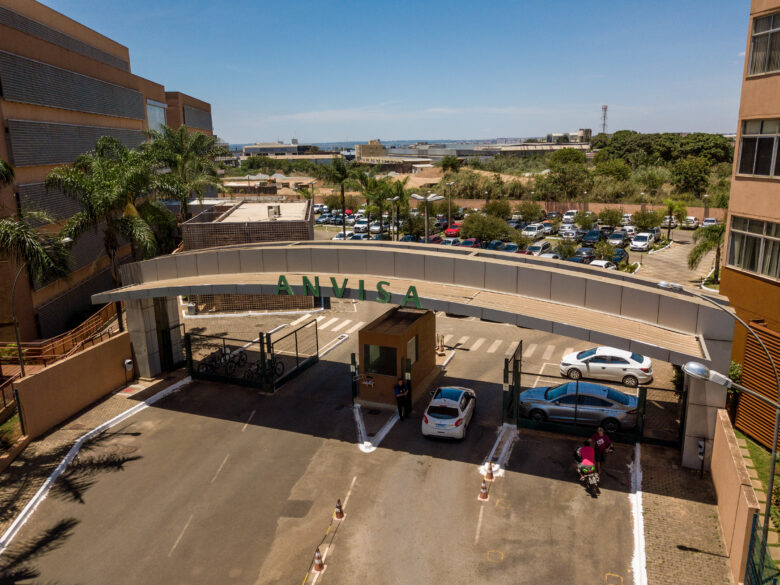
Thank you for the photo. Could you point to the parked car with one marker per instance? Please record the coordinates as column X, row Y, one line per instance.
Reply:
column 593, row 237
column 642, row 242
column 630, row 231
column 511, row 247
column 385, row 237
column 317, row 208
column 583, row 403
column 409, row 238
column 657, row 233
column 553, row 255
column 359, row 237
column 669, row 221
column 323, row 219
column 440, row 225
column 350, row 220
column 550, row 228
column 469, row 243
column 606, row 264
column 568, row 217
column 578, row 259
column 691, row 223
column 450, row 242
column 434, row 239
column 626, row 219
column 606, row 230
column 588, row 254
column 620, row 256
column 495, row 245
column 608, row 363
column 553, row 215
column 534, row 231
column 361, row 226
column 540, row 248
column 341, row 236
column 708, row 221
column 453, row 230
column 618, row 239
column 449, row 412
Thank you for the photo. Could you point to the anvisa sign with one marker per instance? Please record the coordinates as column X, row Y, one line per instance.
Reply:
column 339, row 290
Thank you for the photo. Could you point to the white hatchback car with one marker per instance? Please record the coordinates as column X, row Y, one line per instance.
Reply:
column 449, row 413
column 606, row 264
column 708, row 221
column 608, row 363
column 642, row 242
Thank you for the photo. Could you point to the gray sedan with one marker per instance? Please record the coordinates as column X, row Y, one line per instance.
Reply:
column 583, row 403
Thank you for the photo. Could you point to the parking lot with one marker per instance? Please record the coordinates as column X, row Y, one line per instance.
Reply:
column 232, row 486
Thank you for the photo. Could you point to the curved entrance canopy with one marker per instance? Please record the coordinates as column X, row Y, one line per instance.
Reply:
column 603, row 307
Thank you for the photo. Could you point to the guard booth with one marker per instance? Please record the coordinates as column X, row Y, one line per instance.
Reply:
column 399, row 344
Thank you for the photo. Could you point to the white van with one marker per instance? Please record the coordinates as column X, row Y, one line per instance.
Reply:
column 568, row 217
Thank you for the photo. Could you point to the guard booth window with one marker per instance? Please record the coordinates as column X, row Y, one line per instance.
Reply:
column 379, row 359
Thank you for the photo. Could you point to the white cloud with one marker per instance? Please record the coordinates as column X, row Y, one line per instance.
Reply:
column 742, row 54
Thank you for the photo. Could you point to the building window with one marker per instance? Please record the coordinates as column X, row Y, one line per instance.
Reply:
column 378, row 359
column 765, row 45
column 754, row 246
column 411, row 350
column 155, row 114
column 758, row 150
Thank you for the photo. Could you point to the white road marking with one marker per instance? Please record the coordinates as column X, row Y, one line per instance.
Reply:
column 183, row 530
column 446, row 339
column 639, row 560
column 548, row 352
column 277, row 328
column 541, row 375
column 360, row 425
column 220, row 468
column 356, row 326
column 333, row 343
column 529, row 351
column 349, row 493
column 341, row 325
column 449, row 359
column 462, row 341
column 301, row 319
column 494, row 346
column 320, row 320
column 512, row 347
column 329, row 323
column 246, row 424
column 477, row 344
column 479, row 524
column 568, row 350
column 370, row 446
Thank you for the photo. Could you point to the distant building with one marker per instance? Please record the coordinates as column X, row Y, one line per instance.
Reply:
column 373, row 149
column 267, row 148
column 185, row 110
column 581, row 136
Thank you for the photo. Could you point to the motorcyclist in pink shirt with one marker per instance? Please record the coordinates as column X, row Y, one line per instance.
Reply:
column 587, row 457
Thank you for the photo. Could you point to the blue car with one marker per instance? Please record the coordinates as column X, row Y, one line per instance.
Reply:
column 620, row 256
column 496, row 245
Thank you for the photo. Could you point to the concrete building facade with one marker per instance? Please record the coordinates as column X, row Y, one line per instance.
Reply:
column 64, row 86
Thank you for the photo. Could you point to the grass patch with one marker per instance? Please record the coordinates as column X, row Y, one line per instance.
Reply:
column 710, row 281
column 761, row 459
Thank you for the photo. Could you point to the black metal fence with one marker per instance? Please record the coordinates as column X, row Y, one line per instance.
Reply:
column 292, row 351
column 761, row 569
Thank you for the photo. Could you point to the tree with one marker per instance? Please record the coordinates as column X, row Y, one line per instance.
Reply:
column 566, row 249
column 567, row 156
column 499, row 208
column 646, row 220
column 485, row 228
column 515, row 189
column 616, row 168
column 6, row 173
column 677, row 210
column 450, row 163
column 529, row 210
column 691, row 175
column 600, row 140
column 604, row 251
column 611, row 216
column 563, row 139
column 190, row 158
column 397, row 189
column 714, row 148
column 651, row 179
column 707, row 239
column 107, row 183
column 585, row 220
column 46, row 255
column 338, row 173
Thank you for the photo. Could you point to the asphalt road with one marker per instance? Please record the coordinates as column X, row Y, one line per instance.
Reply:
column 235, row 487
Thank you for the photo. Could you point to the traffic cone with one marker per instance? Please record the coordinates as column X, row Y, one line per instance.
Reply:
column 319, row 565
column 489, row 474
column 483, row 492
column 339, row 511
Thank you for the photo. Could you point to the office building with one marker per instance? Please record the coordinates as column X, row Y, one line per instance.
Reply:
column 62, row 86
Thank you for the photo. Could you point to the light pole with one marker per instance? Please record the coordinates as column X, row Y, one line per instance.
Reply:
column 449, row 203
column 706, row 198
column 394, row 227
column 697, row 372
column 428, row 199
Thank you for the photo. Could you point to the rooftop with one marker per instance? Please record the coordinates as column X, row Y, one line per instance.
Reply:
column 251, row 211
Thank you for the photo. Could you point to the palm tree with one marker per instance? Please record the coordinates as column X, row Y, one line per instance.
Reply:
column 190, row 158
column 6, row 173
column 107, row 184
column 372, row 189
column 676, row 210
column 397, row 192
column 339, row 173
column 707, row 239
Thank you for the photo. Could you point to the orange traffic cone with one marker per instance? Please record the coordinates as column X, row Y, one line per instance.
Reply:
column 339, row 511
column 319, row 565
column 489, row 474
column 483, row 492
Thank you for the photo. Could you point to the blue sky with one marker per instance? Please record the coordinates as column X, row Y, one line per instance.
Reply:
column 332, row 71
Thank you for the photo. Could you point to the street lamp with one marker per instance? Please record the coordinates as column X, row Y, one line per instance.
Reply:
column 449, row 203
column 701, row 372
column 428, row 199
column 394, row 227
column 66, row 241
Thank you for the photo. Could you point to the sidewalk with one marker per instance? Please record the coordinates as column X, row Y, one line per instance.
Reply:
column 672, row 264
column 23, row 478
column 683, row 541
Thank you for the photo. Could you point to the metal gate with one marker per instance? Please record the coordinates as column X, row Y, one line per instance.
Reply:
column 760, row 569
column 513, row 366
column 265, row 362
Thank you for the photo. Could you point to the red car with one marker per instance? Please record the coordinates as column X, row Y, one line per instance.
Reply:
column 453, row 231
column 435, row 239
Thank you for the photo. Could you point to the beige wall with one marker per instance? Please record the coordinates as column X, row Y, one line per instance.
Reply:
column 737, row 503
column 56, row 393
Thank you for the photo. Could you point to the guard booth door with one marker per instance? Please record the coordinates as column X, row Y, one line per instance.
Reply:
column 511, row 389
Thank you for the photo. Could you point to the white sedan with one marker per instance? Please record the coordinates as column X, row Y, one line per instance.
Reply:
column 341, row 236
column 605, row 264
column 449, row 412
column 608, row 363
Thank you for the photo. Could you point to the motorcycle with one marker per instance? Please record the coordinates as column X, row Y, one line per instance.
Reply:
column 591, row 479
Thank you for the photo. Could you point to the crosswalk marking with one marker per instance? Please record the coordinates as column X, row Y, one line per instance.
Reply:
column 462, row 341
column 341, row 325
column 329, row 323
column 494, row 346
column 320, row 320
column 512, row 347
column 548, row 352
column 529, row 351
column 356, row 326
column 301, row 319
column 478, row 343
column 446, row 339
column 568, row 350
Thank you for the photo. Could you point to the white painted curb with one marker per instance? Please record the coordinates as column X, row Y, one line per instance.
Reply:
column 662, row 249
column 638, row 560
column 705, row 287
column 41, row 494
